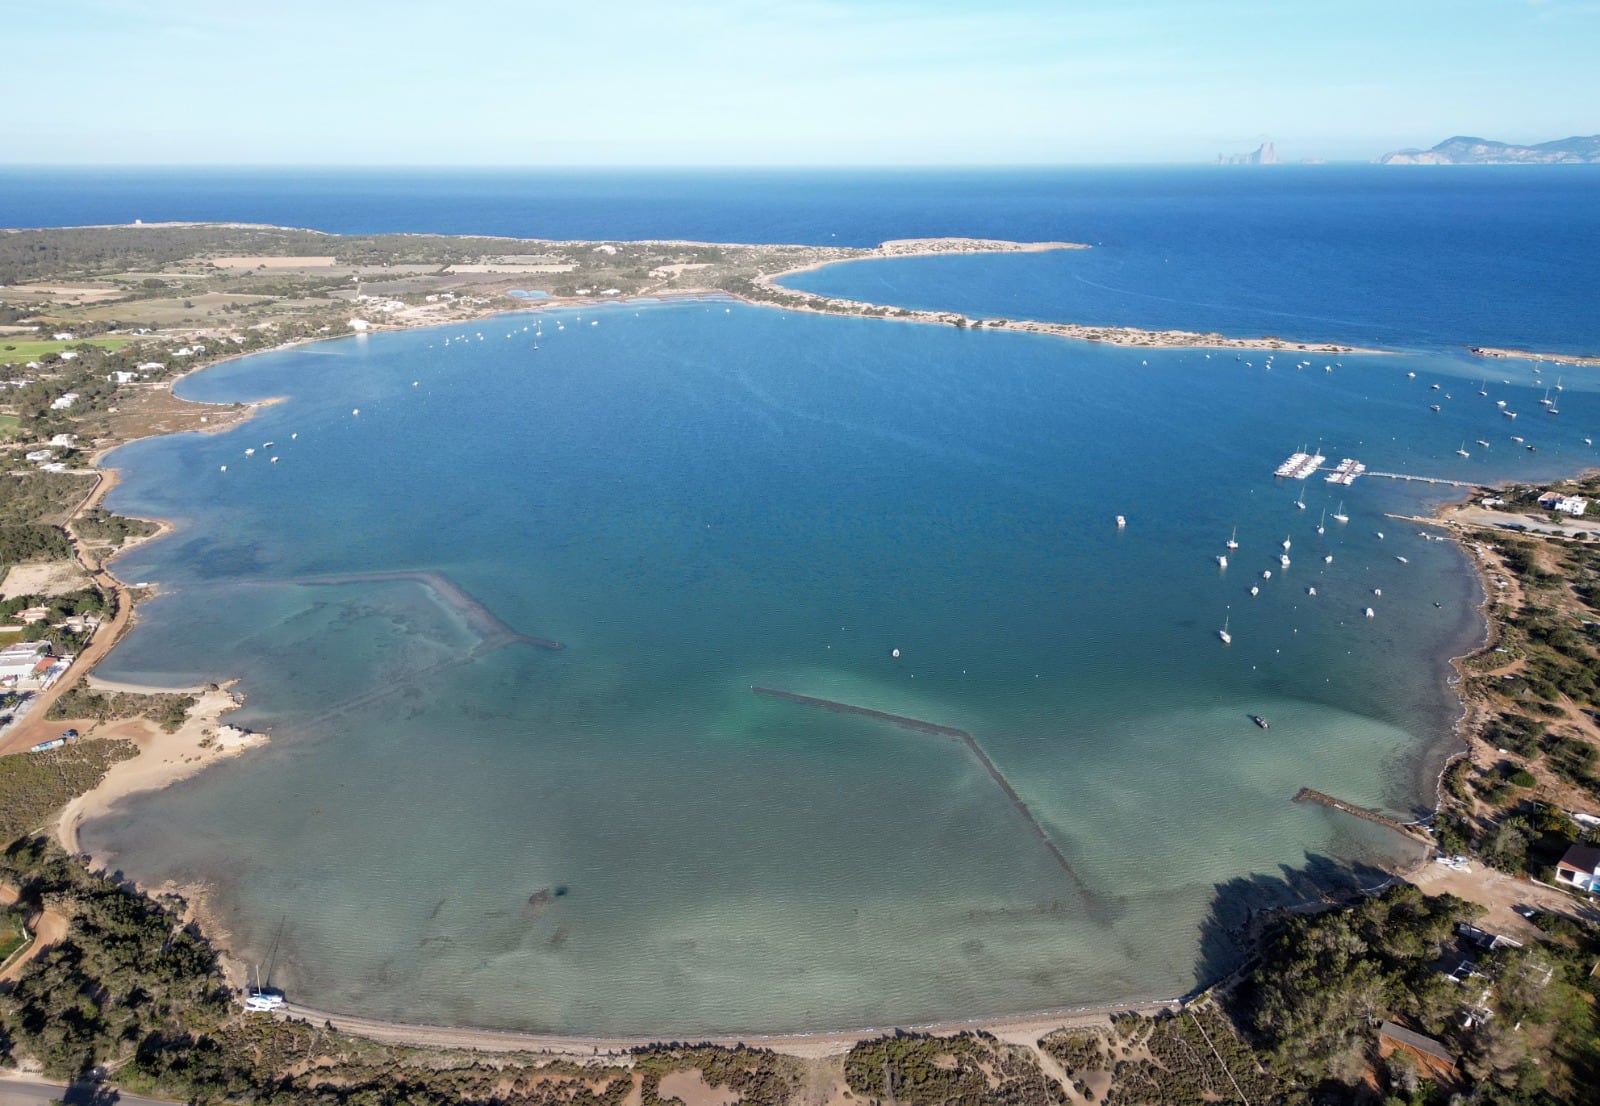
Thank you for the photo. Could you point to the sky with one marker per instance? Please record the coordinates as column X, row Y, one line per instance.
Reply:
column 775, row 83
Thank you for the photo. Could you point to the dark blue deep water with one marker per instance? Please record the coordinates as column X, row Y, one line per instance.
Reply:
column 1397, row 255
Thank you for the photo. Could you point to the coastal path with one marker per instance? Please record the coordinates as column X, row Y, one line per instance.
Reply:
column 1504, row 895
column 34, row 727
column 47, row 928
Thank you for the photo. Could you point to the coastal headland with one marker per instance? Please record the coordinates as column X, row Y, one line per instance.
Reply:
column 428, row 279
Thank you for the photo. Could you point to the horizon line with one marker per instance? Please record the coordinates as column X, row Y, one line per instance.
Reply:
column 753, row 167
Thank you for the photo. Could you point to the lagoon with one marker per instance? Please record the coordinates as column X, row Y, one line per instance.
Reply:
column 698, row 497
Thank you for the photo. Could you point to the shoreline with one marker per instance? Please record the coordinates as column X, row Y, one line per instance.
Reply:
column 164, row 759
column 803, row 1045
column 1128, row 336
column 1579, row 360
column 168, row 759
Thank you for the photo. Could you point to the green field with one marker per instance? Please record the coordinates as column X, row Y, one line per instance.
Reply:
column 8, row 426
column 19, row 352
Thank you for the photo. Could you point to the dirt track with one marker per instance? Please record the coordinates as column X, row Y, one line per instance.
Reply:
column 34, row 728
column 47, row 928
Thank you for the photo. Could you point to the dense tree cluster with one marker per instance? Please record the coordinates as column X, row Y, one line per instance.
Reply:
column 971, row 1069
column 32, row 542
column 82, row 701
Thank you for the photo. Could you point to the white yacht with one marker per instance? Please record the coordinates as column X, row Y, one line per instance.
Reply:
column 1339, row 515
column 1227, row 638
column 1233, row 542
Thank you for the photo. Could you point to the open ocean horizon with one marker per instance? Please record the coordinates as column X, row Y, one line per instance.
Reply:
column 698, row 497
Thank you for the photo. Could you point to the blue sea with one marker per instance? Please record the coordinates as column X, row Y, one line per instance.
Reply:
column 696, row 498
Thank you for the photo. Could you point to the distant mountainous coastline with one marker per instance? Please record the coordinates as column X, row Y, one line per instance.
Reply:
column 1463, row 150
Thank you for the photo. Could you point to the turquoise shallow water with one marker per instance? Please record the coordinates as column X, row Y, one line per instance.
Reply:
column 697, row 498
column 700, row 497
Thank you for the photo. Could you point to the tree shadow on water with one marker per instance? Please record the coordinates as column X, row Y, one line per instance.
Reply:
column 1242, row 909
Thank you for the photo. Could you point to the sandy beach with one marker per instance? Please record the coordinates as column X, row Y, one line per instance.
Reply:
column 164, row 758
column 1023, row 1029
column 791, row 299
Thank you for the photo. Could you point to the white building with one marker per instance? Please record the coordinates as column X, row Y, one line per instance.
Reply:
column 1573, row 505
column 26, row 660
column 123, row 376
column 61, row 403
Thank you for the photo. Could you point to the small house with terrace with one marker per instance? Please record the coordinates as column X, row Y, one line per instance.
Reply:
column 1580, row 868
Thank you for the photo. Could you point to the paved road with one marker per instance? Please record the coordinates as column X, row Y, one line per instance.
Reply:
column 29, row 1092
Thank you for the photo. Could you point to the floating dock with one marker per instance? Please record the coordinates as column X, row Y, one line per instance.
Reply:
column 1346, row 471
column 1299, row 466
